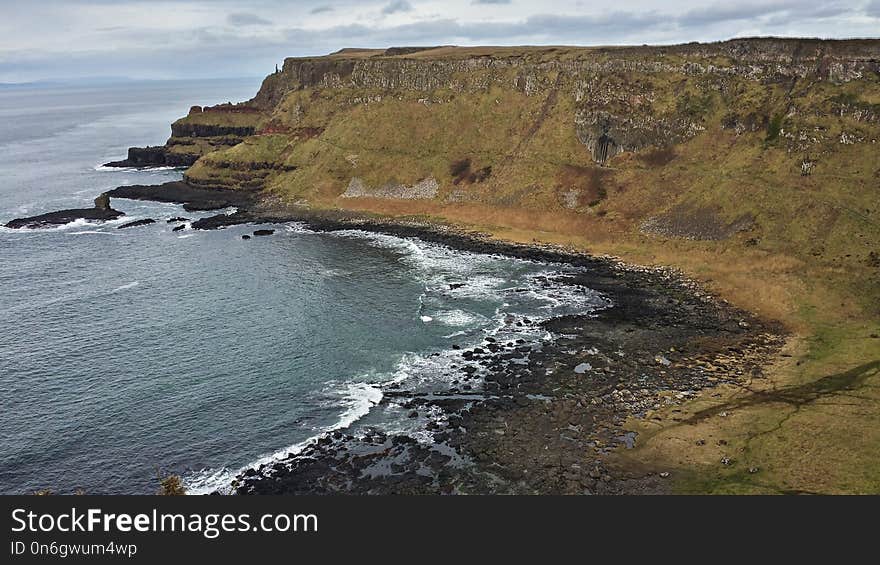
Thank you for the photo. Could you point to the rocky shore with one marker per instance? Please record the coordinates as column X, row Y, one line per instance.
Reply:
column 546, row 416
column 525, row 416
column 520, row 415
column 193, row 198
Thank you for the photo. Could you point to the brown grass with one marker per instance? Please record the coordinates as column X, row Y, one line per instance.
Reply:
column 658, row 156
column 587, row 181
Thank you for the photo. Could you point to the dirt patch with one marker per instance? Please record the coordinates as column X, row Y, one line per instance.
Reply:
column 696, row 222
column 658, row 156
column 580, row 187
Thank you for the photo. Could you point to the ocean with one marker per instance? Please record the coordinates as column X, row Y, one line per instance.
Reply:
column 129, row 353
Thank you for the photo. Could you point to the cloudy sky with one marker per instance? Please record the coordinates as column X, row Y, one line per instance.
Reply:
column 61, row 39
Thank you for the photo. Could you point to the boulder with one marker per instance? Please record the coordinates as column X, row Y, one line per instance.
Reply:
column 137, row 223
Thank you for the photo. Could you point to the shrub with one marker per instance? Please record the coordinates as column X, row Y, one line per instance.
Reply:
column 774, row 128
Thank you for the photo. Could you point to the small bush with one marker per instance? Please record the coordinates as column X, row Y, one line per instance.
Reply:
column 774, row 128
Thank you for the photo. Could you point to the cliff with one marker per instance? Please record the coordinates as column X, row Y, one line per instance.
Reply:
column 701, row 141
column 770, row 142
column 752, row 165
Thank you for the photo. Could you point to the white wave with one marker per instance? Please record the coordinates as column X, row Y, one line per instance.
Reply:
column 92, row 232
column 426, row 319
column 459, row 318
column 358, row 399
column 466, row 274
column 298, row 227
column 126, row 286
column 103, row 169
column 455, row 334
column 335, row 273
column 187, row 236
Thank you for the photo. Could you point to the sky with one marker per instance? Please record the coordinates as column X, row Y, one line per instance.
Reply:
column 167, row 39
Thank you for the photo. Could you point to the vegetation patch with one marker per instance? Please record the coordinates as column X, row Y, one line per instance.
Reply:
column 579, row 187
column 461, row 172
column 657, row 156
column 774, row 128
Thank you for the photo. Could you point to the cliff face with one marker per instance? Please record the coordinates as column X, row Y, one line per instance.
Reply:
column 771, row 141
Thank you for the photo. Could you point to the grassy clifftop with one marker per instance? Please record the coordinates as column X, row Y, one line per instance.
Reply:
column 753, row 165
column 770, row 141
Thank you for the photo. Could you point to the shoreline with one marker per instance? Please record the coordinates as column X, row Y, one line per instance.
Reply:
column 675, row 341
column 551, row 415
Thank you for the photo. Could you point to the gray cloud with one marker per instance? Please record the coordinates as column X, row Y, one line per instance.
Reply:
column 216, row 38
column 491, row 2
column 716, row 13
column 397, row 6
column 245, row 19
column 781, row 11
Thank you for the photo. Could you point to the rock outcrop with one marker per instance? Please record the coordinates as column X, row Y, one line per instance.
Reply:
column 202, row 131
column 192, row 198
column 100, row 213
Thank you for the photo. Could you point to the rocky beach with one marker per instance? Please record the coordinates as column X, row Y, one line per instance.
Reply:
column 526, row 417
column 521, row 415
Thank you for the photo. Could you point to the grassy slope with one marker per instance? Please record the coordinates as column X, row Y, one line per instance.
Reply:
column 812, row 423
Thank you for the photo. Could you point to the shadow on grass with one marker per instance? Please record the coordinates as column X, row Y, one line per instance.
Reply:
column 798, row 396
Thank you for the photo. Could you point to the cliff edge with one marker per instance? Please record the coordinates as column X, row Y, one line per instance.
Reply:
column 751, row 164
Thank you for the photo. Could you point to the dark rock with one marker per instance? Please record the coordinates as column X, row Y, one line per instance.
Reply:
column 263, row 232
column 187, row 129
column 206, row 206
column 180, row 192
column 136, row 223
column 180, row 227
column 141, row 157
column 245, row 236
column 102, row 202
column 222, row 221
column 177, row 219
column 66, row 216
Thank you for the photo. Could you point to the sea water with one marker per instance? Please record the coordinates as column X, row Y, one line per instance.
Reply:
column 124, row 353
